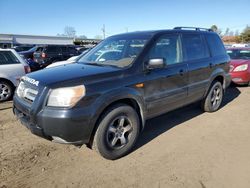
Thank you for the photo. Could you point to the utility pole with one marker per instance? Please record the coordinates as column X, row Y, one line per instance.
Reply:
column 104, row 31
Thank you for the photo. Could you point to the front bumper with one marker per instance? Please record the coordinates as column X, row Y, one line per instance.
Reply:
column 71, row 126
column 242, row 77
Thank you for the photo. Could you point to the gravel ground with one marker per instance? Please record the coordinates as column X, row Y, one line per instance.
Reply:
column 184, row 148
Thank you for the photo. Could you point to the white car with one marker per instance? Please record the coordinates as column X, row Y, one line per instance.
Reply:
column 12, row 68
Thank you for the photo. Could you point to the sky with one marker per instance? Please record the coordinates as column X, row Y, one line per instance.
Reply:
column 49, row 17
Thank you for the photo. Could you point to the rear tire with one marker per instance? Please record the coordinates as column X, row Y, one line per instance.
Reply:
column 117, row 132
column 6, row 91
column 213, row 100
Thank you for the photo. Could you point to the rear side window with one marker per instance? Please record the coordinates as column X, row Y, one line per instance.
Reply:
column 215, row 44
column 194, row 46
column 7, row 58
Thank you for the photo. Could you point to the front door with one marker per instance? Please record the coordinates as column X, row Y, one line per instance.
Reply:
column 166, row 88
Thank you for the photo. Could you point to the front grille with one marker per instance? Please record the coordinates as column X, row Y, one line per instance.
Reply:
column 27, row 93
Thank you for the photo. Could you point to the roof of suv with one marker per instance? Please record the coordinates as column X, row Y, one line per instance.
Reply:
column 177, row 29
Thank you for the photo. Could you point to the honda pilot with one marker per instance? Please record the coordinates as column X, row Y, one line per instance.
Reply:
column 104, row 99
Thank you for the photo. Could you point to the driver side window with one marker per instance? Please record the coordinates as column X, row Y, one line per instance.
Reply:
column 168, row 48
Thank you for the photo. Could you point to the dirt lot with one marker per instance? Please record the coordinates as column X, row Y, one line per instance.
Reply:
column 184, row 148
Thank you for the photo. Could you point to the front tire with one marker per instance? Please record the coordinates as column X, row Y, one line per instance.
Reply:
column 117, row 132
column 213, row 100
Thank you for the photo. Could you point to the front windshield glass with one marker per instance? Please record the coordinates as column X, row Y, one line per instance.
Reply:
column 115, row 51
column 239, row 53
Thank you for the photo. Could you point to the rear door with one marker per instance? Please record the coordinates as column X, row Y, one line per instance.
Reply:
column 10, row 67
column 197, row 56
column 166, row 88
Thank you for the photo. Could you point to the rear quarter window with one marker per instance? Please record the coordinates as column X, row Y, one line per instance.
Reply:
column 7, row 58
column 215, row 45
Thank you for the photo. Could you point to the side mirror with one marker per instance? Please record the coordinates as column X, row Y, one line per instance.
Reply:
column 155, row 64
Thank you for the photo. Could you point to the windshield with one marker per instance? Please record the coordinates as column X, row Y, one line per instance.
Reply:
column 115, row 51
column 239, row 53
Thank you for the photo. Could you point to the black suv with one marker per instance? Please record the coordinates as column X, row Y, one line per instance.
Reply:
column 105, row 98
column 45, row 55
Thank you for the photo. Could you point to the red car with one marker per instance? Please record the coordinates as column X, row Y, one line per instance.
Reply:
column 240, row 65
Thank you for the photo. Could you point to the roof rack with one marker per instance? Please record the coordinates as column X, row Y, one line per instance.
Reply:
column 194, row 28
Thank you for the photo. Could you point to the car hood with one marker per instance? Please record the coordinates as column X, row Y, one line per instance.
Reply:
column 237, row 62
column 71, row 74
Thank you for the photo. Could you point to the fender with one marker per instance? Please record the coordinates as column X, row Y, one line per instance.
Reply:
column 104, row 100
column 217, row 72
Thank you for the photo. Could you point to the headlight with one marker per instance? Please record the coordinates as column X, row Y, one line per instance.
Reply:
column 66, row 97
column 241, row 68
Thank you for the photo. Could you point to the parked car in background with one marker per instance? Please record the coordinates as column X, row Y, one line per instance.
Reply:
column 240, row 65
column 228, row 45
column 47, row 54
column 105, row 98
column 12, row 68
column 240, row 45
column 22, row 48
column 28, row 56
column 68, row 61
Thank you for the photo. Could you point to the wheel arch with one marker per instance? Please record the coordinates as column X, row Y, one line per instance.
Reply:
column 129, row 98
column 218, row 75
column 8, row 81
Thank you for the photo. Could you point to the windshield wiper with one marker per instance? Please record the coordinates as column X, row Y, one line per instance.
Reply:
column 101, row 64
column 95, row 64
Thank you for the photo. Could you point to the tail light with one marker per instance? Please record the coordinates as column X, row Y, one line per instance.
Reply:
column 43, row 55
column 27, row 69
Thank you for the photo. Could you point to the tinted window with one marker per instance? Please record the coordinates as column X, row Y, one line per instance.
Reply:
column 168, row 48
column 195, row 47
column 6, row 57
column 65, row 49
column 53, row 49
column 72, row 50
column 215, row 44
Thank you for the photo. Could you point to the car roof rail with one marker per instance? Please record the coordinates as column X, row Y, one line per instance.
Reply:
column 195, row 28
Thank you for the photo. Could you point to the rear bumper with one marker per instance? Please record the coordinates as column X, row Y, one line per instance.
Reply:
column 71, row 126
column 240, row 77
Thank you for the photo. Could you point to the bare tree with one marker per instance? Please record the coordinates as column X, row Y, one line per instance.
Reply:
column 69, row 31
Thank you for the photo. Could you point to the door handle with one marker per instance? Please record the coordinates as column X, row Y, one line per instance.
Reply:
column 181, row 72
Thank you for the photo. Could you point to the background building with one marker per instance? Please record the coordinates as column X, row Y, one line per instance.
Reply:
column 10, row 40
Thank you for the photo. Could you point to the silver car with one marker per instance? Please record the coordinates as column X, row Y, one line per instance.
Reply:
column 12, row 68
